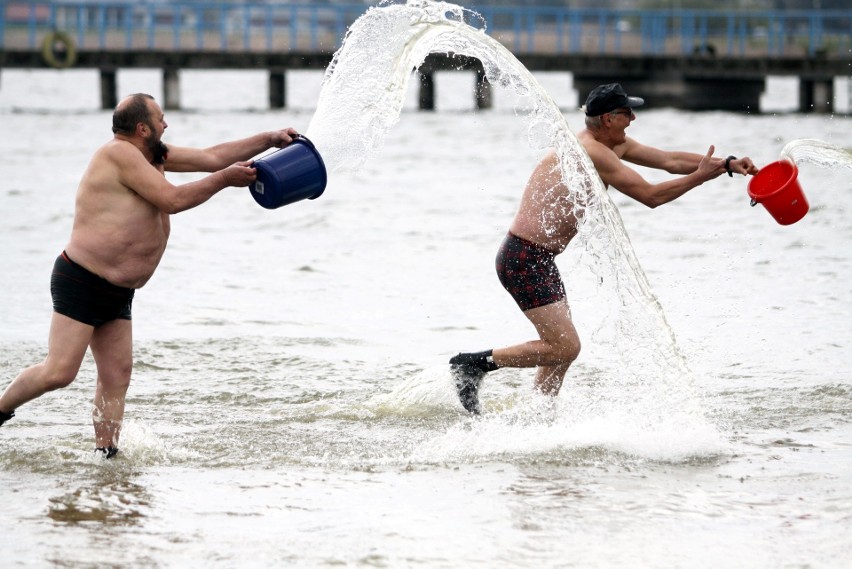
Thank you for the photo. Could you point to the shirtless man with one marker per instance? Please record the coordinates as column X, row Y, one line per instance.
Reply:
column 120, row 232
column 540, row 232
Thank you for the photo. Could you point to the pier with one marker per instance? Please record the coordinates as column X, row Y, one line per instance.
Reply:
column 686, row 59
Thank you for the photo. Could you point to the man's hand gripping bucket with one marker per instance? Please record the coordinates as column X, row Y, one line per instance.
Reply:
column 293, row 173
column 777, row 188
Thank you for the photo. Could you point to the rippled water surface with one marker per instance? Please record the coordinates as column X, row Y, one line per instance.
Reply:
column 291, row 404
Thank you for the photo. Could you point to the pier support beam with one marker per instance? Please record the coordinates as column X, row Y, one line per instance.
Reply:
column 277, row 89
column 427, row 92
column 171, row 89
column 109, row 89
column 816, row 95
column 452, row 62
column 483, row 91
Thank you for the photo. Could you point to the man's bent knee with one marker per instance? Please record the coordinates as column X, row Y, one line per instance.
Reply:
column 58, row 380
column 58, row 372
column 567, row 352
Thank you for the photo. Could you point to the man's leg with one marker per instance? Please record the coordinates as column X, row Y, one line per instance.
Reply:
column 548, row 379
column 553, row 353
column 112, row 348
column 67, row 344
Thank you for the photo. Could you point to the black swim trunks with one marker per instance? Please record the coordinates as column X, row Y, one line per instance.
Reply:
column 529, row 273
column 86, row 297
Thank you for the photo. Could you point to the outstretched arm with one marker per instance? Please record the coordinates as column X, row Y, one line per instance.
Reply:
column 679, row 162
column 673, row 162
column 615, row 173
column 138, row 175
column 214, row 158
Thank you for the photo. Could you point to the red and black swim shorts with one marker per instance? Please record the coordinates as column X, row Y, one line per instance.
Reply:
column 529, row 273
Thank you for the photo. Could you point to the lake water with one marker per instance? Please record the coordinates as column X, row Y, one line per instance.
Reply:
column 291, row 404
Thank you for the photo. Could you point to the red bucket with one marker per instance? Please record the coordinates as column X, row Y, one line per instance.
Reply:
column 775, row 186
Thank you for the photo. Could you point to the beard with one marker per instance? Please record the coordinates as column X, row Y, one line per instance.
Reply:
column 159, row 151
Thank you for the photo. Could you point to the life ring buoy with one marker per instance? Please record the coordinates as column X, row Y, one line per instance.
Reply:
column 58, row 51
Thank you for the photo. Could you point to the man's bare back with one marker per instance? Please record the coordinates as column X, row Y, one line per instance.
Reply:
column 546, row 213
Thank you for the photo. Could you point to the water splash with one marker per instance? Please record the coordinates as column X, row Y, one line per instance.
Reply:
column 819, row 152
column 360, row 101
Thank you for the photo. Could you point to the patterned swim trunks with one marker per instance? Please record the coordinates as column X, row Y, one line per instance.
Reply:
column 529, row 273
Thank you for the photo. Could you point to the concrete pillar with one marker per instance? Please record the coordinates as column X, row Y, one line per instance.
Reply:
column 483, row 91
column 806, row 95
column 427, row 91
column 816, row 95
column 277, row 89
column 171, row 89
column 109, row 89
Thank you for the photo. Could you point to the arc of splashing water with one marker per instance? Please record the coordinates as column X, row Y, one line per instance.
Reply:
column 817, row 151
column 363, row 94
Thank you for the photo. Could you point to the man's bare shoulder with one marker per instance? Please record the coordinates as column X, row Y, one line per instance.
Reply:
column 588, row 139
column 594, row 148
column 628, row 147
column 113, row 167
column 584, row 136
column 118, row 150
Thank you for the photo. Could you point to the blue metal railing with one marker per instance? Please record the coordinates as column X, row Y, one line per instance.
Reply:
column 648, row 32
column 313, row 27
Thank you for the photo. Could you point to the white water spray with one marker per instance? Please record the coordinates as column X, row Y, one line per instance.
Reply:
column 361, row 99
column 818, row 152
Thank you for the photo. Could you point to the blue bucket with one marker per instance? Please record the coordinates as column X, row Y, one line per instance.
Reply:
column 295, row 172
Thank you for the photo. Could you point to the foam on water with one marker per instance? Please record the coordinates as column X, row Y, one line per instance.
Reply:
column 632, row 346
column 420, row 394
column 541, row 431
column 526, row 423
column 141, row 445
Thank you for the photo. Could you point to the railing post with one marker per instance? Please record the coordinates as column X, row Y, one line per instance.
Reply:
column 101, row 20
column 576, row 27
column 128, row 29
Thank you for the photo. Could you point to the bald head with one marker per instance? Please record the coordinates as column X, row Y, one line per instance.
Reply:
column 129, row 112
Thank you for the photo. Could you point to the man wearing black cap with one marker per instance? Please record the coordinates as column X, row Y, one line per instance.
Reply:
column 545, row 224
column 609, row 111
column 607, row 98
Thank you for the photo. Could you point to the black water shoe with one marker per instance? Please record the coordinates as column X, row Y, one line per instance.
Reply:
column 5, row 416
column 468, row 371
column 109, row 452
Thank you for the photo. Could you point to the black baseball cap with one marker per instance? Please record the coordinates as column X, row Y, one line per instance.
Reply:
column 605, row 98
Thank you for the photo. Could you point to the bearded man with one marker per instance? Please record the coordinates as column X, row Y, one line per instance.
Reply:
column 120, row 231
